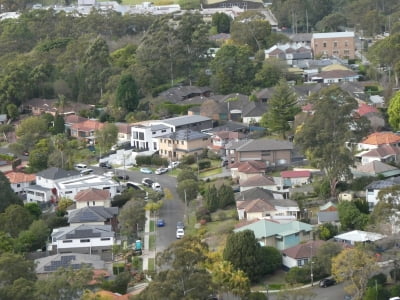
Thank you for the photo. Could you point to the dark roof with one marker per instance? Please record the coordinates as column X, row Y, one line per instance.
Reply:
column 185, row 135
column 229, row 126
column 92, row 214
column 381, row 184
column 261, row 144
column 82, row 231
column 305, row 250
column 255, row 193
column 184, row 120
column 57, row 173
column 182, row 92
column 328, row 216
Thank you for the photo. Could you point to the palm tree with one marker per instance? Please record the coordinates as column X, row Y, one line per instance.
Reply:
column 60, row 143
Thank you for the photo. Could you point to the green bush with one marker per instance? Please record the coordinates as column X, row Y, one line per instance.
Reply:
column 118, row 268
column 204, row 164
column 143, row 160
column 159, row 161
column 188, row 160
column 203, row 213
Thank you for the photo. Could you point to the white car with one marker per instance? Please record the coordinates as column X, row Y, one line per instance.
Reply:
column 109, row 174
column 180, row 233
column 156, row 187
column 173, row 164
column 160, row 171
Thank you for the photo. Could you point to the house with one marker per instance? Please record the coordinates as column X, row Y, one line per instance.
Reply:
column 70, row 120
column 379, row 139
column 267, row 208
column 328, row 213
column 180, row 93
column 301, row 254
column 244, row 170
column 229, row 126
column 45, row 189
column 293, row 178
column 76, row 261
column 86, row 130
column 358, row 236
column 292, row 53
column 94, row 215
column 373, row 189
column 183, row 142
column 92, row 197
column 145, row 135
column 252, row 4
column 124, row 132
column 334, row 44
column 272, row 152
column 19, row 181
column 38, row 106
column 258, row 180
column 281, row 234
column 335, row 76
column 377, row 101
column 375, row 168
column 69, row 188
column 221, row 138
column 385, row 154
column 85, row 239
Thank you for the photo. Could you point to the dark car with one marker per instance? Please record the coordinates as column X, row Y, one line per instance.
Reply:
column 123, row 177
column 160, row 223
column 147, row 182
column 327, row 282
column 105, row 165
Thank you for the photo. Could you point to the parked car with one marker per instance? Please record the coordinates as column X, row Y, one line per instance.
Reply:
column 160, row 223
column 180, row 233
column 80, row 167
column 147, row 182
column 105, row 165
column 123, row 177
column 160, row 171
column 180, row 225
column 146, row 170
column 134, row 185
column 173, row 164
column 327, row 282
column 109, row 174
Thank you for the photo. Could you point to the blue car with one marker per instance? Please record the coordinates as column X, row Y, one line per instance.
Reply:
column 146, row 170
column 160, row 223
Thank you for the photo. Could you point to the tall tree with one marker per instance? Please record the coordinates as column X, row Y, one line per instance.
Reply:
column 350, row 216
column 29, row 132
column 281, row 109
column 226, row 196
column 242, row 250
column 15, row 219
column 323, row 135
column 211, row 198
column 394, row 111
column 222, row 22
column 107, row 136
column 132, row 217
column 127, row 93
column 355, row 266
column 7, row 195
column 272, row 71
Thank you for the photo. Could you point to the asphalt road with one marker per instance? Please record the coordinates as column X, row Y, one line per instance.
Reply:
column 333, row 292
column 172, row 211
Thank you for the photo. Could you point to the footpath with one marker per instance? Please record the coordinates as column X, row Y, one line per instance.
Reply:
column 147, row 252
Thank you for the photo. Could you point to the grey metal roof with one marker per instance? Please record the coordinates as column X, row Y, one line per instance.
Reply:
column 265, row 144
column 381, row 184
column 82, row 231
column 57, row 173
column 185, row 135
column 255, row 193
column 92, row 214
column 230, row 126
column 328, row 216
column 184, row 120
column 158, row 127
column 36, row 187
column 74, row 260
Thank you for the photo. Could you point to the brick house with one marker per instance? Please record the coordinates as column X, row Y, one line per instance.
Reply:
column 338, row 44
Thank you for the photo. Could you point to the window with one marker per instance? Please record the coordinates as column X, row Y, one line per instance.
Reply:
column 164, row 130
column 87, row 203
column 105, row 239
column 153, row 132
column 68, row 192
column 141, row 136
column 85, row 241
column 67, row 241
column 335, row 44
column 346, row 43
column 346, row 52
column 94, row 203
column 18, row 185
column 324, row 44
column 183, row 142
column 265, row 153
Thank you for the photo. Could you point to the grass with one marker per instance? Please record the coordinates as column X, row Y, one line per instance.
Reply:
column 152, row 242
column 152, row 225
column 151, row 264
column 210, row 173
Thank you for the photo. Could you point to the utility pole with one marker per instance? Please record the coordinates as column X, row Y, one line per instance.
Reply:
column 311, row 268
column 186, row 214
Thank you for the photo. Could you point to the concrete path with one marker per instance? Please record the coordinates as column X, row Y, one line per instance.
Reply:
column 147, row 253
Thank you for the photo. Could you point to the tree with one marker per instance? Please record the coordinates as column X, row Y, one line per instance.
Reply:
column 327, row 231
column 394, row 111
column 270, row 260
column 127, row 93
column 222, row 22
column 182, row 274
column 30, row 131
column 272, row 71
column 7, row 195
column 131, row 217
column 34, row 209
column 323, row 136
column 188, row 189
column 211, row 198
column 14, row 266
column 60, row 143
column 59, row 125
column 350, row 217
column 242, row 250
column 38, row 157
column 232, row 70
column 15, row 219
column 64, row 284
column 186, row 174
column 355, row 266
column 12, row 111
column 63, row 204
column 226, row 196
column 34, row 238
column 324, row 256
column 107, row 136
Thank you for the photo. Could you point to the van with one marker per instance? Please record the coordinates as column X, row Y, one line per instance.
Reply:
column 80, row 167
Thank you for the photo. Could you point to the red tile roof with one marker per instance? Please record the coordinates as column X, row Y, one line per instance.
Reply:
column 364, row 109
column 92, row 195
column 257, row 180
column 295, row 174
column 88, row 125
column 257, row 205
column 383, row 151
column 251, row 166
column 72, row 119
column 304, row 250
column 381, row 138
column 19, row 177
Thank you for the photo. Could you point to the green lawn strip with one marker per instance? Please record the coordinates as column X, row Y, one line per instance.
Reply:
column 210, row 172
column 152, row 225
column 151, row 264
column 152, row 242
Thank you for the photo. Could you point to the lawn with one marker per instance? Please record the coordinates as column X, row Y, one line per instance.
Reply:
column 152, row 225
column 210, row 172
column 151, row 264
column 152, row 242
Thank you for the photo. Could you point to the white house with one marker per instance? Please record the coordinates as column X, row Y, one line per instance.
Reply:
column 301, row 254
column 20, row 181
column 293, row 178
column 373, row 189
column 85, row 239
column 92, row 197
column 358, row 236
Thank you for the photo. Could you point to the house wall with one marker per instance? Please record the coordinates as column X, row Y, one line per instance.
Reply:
column 145, row 138
column 372, row 198
column 342, row 47
column 297, row 180
column 254, row 215
column 83, row 243
column 270, row 157
column 70, row 192
column 267, row 187
column 81, row 204
column 173, row 149
column 251, row 120
column 365, row 160
column 38, row 196
column 19, row 188
column 289, row 262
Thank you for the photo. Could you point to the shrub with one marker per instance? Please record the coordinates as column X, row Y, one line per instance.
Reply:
column 118, row 268
column 143, row 160
column 188, row 160
column 203, row 213
column 204, row 164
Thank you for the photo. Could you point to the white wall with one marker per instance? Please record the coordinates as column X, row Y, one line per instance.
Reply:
column 76, row 243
